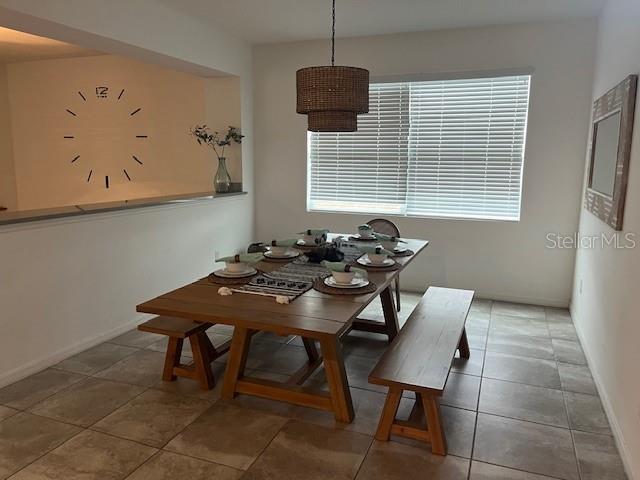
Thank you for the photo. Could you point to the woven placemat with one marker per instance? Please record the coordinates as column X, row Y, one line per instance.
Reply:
column 320, row 286
column 231, row 281
column 406, row 253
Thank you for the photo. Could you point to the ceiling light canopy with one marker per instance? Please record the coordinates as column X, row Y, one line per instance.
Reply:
column 332, row 96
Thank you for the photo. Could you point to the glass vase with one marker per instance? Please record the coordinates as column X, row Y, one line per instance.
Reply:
column 222, row 180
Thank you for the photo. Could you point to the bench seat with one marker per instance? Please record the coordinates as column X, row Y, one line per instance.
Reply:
column 179, row 329
column 419, row 360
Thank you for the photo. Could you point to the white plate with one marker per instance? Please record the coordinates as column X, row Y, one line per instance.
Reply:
column 400, row 249
column 365, row 261
column 289, row 254
column 357, row 282
column 224, row 274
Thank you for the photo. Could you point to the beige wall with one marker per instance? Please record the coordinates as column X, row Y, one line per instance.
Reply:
column 105, row 131
column 497, row 259
column 605, row 303
column 8, row 195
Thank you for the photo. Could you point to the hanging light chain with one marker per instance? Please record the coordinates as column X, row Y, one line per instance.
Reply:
column 333, row 33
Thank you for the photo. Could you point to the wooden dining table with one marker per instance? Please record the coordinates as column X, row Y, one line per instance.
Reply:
column 314, row 316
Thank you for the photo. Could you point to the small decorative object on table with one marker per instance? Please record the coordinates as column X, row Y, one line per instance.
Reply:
column 376, row 257
column 218, row 142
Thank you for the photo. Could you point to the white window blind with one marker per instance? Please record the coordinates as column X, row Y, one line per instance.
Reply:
column 446, row 148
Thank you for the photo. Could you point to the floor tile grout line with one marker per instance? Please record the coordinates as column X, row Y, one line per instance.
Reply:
column 364, row 458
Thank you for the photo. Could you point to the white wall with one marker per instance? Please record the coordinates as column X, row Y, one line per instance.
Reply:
column 497, row 259
column 67, row 284
column 8, row 195
column 605, row 301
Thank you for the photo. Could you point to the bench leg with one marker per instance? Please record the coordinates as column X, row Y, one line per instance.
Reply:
column 434, row 424
column 337, row 379
column 390, row 313
column 388, row 415
column 311, row 349
column 237, row 361
column 172, row 358
column 201, row 348
column 463, row 345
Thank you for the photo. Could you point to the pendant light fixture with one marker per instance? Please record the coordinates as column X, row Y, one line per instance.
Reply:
column 332, row 96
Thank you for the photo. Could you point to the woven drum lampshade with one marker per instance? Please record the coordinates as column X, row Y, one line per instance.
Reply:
column 332, row 97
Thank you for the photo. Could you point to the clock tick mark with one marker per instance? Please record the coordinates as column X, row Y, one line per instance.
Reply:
column 89, row 177
column 136, row 159
column 69, row 136
column 121, row 93
column 126, row 174
column 106, row 181
column 142, row 136
column 83, row 97
column 135, row 111
column 75, row 158
column 71, row 112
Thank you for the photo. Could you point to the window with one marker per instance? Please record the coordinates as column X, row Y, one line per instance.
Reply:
column 445, row 148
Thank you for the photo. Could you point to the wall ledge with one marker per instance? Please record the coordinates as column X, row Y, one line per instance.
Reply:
column 10, row 221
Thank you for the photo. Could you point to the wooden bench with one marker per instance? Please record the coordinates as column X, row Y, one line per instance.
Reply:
column 419, row 359
column 177, row 329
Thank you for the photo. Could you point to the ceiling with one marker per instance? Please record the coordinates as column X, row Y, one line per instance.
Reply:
column 269, row 21
column 23, row 47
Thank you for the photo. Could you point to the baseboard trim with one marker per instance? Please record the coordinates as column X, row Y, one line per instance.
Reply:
column 45, row 362
column 544, row 302
column 608, row 409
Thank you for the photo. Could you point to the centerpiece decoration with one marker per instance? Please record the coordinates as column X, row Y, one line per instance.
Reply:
column 218, row 142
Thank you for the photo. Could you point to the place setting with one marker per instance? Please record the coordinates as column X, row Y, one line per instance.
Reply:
column 344, row 279
column 238, row 270
column 365, row 234
column 312, row 238
column 282, row 251
column 376, row 258
column 395, row 245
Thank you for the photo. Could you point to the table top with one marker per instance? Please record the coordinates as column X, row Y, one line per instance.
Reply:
column 313, row 314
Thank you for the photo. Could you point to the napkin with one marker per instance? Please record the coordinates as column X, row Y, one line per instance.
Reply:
column 343, row 267
column 242, row 258
column 290, row 242
column 387, row 238
column 371, row 249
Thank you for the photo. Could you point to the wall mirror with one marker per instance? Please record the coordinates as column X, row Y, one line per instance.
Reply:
column 609, row 152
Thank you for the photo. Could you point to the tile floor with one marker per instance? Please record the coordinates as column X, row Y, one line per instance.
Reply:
column 523, row 407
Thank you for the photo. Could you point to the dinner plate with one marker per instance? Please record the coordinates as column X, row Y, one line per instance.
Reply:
column 400, row 249
column 364, row 260
column 289, row 254
column 357, row 282
column 225, row 274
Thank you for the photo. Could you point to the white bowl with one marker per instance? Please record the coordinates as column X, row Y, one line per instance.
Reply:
column 389, row 245
column 377, row 258
column 343, row 277
column 279, row 251
column 236, row 267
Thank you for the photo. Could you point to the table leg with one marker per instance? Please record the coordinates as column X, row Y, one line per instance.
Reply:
column 337, row 379
column 390, row 313
column 237, row 360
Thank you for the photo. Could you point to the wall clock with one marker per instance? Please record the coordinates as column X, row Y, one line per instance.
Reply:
column 123, row 120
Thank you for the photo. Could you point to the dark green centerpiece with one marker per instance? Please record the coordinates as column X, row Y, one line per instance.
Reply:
column 218, row 142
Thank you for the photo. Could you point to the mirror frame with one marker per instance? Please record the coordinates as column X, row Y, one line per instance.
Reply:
column 621, row 98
